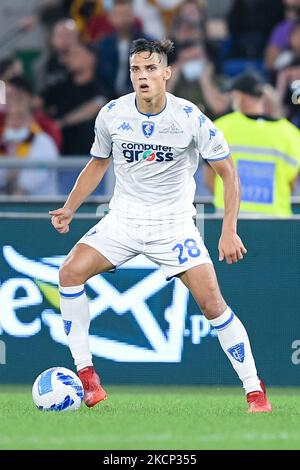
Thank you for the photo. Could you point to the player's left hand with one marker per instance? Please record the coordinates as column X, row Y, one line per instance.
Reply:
column 231, row 247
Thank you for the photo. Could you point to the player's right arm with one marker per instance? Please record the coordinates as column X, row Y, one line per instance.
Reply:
column 90, row 176
column 86, row 183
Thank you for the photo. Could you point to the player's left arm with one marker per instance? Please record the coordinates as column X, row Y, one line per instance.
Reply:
column 230, row 245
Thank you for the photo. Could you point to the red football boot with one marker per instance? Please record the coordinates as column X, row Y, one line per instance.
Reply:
column 258, row 401
column 93, row 392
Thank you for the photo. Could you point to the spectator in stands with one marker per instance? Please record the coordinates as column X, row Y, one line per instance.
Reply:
column 10, row 67
column 88, row 15
column 113, row 50
column 189, row 24
column 47, row 13
column 280, row 35
column 51, row 67
column 91, row 19
column 193, row 78
column 287, row 73
column 265, row 150
column 18, row 88
column 22, row 137
column 288, row 88
column 75, row 102
column 157, row 15
column 290, row 57
column 250, row 23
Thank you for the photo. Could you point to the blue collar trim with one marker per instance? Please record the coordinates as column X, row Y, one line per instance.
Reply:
column 151, row 115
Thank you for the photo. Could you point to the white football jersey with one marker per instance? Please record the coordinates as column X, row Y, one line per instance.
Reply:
column 155, row 156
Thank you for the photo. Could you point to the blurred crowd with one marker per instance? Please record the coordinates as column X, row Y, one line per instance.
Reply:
column 51, row 113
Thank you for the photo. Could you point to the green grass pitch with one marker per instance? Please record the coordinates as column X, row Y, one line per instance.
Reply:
column 153, row 418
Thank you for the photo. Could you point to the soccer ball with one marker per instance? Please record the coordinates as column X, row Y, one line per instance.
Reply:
column 57, row 389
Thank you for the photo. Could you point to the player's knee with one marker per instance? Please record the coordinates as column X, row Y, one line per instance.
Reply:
column 69, row 276
column 209, row 309
column 213, row 304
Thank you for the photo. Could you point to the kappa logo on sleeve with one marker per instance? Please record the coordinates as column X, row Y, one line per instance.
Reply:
column 202, row 119
column 213, row 133
column 111, row 105
column 125, row 126
column 188, row 110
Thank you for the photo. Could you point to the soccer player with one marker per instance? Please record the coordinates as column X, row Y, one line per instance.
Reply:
column 155, row 140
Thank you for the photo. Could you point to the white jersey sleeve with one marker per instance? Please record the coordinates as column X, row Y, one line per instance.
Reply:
column 210, row 141
column 102, row 146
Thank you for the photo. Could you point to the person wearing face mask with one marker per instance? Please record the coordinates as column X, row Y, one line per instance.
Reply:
column 22, row 137
column 265, row 150
column 193, row 79
column 18, row 88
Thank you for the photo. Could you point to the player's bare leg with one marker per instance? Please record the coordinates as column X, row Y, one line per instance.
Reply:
column 202, row 282
column 82, row 263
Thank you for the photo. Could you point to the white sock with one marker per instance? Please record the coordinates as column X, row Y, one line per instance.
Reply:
column 235, row 343
column 74, row 308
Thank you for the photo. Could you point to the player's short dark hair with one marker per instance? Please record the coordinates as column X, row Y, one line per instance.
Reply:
column 163, row 48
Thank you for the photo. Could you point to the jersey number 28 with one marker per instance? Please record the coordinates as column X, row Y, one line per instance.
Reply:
column 189, row 248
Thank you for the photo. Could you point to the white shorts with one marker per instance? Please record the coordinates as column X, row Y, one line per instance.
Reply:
column 174, row 247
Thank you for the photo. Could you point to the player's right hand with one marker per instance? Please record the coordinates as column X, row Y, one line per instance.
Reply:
column 61, row 219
